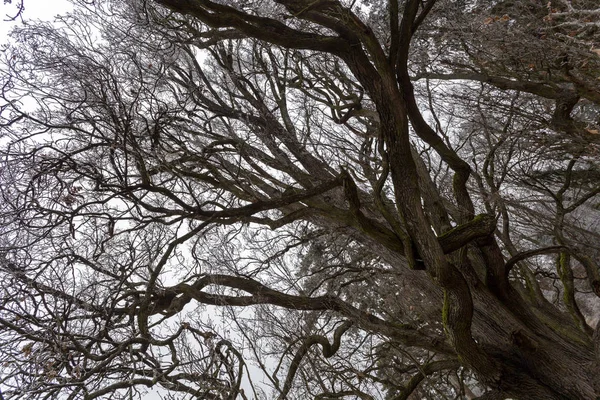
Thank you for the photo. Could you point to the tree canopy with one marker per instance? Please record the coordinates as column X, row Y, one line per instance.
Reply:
column 374, row 199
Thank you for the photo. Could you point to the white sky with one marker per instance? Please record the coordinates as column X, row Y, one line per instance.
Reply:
column 34, row 9
column 46, row 10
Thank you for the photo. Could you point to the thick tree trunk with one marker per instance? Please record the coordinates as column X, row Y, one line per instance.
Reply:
column 492, row 328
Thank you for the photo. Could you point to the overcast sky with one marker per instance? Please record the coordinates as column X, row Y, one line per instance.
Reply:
column 34, row 9
column 46, row 10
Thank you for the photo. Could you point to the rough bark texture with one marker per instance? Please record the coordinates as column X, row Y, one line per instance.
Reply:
column 515, row 353
column 461, row 241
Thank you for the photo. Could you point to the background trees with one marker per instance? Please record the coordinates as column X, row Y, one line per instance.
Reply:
column 383, row 198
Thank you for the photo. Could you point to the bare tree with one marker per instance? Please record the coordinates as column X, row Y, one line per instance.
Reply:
column 384, row 199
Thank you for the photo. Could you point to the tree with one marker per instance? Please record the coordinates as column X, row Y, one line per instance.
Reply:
column 384, row 199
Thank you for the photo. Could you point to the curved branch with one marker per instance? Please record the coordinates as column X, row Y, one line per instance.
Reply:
column 175, row 298
column 532, row 253
column 339, row 395
column 536, row 88
column 328, row 351
column 483, row 225
column 236, row 388
column 270, row 30
column 426, row 370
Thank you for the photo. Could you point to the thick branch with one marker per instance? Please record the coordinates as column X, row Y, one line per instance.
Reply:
column 537, row 88
column 270, row 30
column 481, row 226
column 175, row 298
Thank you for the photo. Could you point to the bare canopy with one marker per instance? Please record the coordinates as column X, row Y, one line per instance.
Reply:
column 370, row 199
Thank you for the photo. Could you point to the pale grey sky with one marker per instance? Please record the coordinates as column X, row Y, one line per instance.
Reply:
column 34, row 9
column 46, row 10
